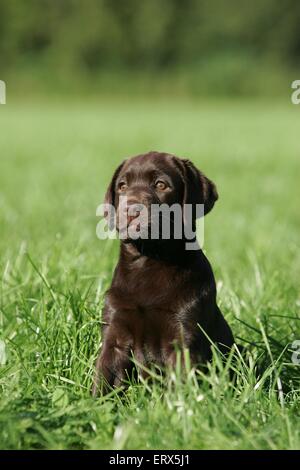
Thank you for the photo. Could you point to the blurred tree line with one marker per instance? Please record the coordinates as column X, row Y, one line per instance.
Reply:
column 89, row 36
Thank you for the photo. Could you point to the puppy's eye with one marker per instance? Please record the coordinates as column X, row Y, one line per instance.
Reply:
column 160, row 185
column 122, row 186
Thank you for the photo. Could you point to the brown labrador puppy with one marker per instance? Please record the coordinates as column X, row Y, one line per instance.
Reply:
column 161, row 292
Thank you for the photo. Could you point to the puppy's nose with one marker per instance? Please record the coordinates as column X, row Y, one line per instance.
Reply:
column 133, row 211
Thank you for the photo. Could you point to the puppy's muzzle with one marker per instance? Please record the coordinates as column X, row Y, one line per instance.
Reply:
column 131, row 214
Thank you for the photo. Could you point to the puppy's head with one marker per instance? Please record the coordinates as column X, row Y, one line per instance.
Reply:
column 156, row 178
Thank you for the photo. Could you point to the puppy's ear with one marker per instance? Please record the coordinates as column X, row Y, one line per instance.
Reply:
column 198, row 188
column 110, row 196
column 110, row 192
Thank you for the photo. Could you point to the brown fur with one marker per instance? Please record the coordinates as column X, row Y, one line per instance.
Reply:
column 160, row 292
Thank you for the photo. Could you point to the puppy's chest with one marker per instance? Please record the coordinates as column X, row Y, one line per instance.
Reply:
column 153, row 331
column 154, row 286
column 148, row 305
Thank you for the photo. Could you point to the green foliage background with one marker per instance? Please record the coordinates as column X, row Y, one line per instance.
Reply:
column 191, row 46
column 89, row 83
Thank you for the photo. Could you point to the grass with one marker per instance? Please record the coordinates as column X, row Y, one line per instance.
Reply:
column 56, row 160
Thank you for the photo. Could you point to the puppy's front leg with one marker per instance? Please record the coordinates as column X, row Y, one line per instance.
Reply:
column 113, row 362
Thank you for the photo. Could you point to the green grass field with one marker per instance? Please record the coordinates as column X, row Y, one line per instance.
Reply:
column 56, row 160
